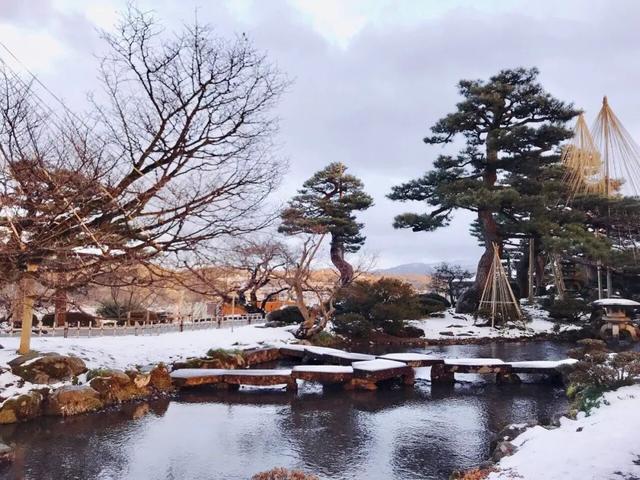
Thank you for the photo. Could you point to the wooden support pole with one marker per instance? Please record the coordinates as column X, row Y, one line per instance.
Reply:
column 531, row 268
column 25, row 301
column 609, row 283
column 599, row 281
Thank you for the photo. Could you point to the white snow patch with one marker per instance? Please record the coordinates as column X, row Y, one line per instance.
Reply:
column 616, row 301
column 377, row 365
column 258, row 372
column 544, row 363
column 408, row 357
column 455, row 325
column 122, row 352
column 197, row 372
column 323, row 368
column 473, row 361
column 603, row 445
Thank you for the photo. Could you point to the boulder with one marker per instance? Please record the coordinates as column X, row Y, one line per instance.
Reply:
column 503, row 449
column 115, row 386
column 160, row 379
column 73, row 400
column 7, row 454
column 22, row 407
column 140, row 380
column 48, row 368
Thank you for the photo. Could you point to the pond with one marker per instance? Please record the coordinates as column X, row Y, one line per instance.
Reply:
column 410, row 433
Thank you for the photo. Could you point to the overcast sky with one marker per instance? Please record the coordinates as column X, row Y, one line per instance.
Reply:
column 370, row 76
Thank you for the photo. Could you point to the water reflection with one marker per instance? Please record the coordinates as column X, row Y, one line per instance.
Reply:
column 414, row 433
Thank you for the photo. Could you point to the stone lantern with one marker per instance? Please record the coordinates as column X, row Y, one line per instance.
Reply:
column 617, row 317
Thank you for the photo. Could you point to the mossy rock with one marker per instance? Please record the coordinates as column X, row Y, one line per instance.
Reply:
column 48, row 368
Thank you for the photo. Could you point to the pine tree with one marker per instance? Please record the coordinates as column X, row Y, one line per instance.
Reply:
column 512, row 130
column 326, row 204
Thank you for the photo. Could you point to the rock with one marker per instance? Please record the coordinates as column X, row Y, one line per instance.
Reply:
column 23, row 407
column 468, row 301
column 160, row 379
column 140, row 380
column 503, row 449
column 48, row 368
column 73, row 400
column 7, row 454
column 115, row 386
column 510, row 432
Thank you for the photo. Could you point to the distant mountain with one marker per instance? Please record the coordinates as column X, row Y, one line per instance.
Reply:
column 420, row 268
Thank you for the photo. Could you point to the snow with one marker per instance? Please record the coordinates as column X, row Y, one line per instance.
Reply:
column 197, row 372
column 252, row 372
column 601, row 446
column 352, row 356
column 543, row 363
column 377, row 365
column 122, row 352
column 615, row 302
column 473, row 361
column 455, row 325
column 323, row 368
column 407, row 357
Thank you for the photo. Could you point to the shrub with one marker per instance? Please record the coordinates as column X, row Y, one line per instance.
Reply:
column 287, row 315
column 111, row 309
column 569, row 309
column 352, row 325
column 283, row 474
column 599, row 371
column 324, row 339
column 432, row 303
column 222, row 354
column 383, row 304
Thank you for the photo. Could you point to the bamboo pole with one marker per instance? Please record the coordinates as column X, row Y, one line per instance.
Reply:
column 25, row 294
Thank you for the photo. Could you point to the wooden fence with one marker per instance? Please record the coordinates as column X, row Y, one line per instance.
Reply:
column 139, row 328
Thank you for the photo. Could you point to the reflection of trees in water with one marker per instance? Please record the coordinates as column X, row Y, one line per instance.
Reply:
column 333, row 433
column 460, row 422
column 84, row 446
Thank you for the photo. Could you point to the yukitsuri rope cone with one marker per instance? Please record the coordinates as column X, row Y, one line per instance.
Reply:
column 498, row 301
column 604, row 161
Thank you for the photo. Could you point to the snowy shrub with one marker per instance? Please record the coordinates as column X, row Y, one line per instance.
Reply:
column 569, row 309
column 284, row 474
column 598, row 371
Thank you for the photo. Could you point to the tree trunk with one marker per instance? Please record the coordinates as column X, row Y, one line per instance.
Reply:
column 337, row 258
column 60, row 308
column 468, row 301
column 24, row 303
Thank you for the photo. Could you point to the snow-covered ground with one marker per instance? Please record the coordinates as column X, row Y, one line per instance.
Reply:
column 602, row 446
column 455, row 325
column 126, row 351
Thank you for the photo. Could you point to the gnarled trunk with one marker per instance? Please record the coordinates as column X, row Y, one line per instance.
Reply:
column 468, row 301
column 337, row 258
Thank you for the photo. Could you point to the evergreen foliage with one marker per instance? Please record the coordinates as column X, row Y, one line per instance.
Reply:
column 327, row 203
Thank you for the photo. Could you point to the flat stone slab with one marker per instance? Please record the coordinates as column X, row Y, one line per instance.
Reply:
column 413, row 359
column 346, row 358
column 192, row 377
column 258, row 377
column 380, row 369
column 293, row 350
column 473, row 361
column 541, row 366
column 476, row 365
column 325, row 374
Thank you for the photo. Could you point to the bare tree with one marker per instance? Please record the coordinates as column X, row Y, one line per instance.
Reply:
column 449, row 280
column 176, row 155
